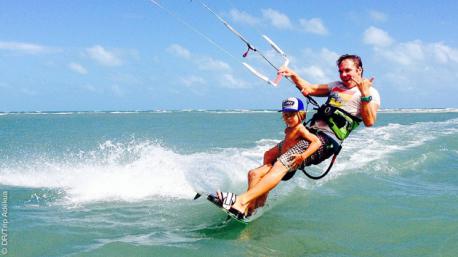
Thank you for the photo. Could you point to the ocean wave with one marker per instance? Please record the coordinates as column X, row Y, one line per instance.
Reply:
column 419, row 110
column 132, row 172
column 141, row 170
column 368, row 149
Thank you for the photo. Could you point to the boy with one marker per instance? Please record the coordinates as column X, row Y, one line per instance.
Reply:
column 296, row 137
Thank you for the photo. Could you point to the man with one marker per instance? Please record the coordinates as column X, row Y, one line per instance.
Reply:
column 351, row 100
column 353, row 93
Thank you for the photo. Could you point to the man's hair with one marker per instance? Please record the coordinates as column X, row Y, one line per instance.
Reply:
column 356, row 60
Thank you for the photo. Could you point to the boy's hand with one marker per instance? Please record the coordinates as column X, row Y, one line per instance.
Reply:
column 298, row 160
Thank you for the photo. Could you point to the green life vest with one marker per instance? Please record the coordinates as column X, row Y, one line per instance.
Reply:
column 340, row 121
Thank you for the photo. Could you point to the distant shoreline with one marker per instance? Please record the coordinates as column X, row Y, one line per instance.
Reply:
column 388, row 110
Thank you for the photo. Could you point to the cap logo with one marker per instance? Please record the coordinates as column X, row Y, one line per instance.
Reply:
column 288, row 103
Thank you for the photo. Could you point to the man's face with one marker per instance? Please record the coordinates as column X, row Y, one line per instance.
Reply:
column 349, row 72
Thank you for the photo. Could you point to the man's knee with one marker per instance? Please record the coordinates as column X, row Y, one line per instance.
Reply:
column 270, row 157
column 259, row 172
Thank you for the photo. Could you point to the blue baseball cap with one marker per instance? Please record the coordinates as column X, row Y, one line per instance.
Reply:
column 292, row 104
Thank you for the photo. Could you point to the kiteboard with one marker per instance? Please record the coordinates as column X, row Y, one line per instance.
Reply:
column 215, row 201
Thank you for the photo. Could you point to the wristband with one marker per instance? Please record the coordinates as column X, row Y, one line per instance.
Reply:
column 366, row 99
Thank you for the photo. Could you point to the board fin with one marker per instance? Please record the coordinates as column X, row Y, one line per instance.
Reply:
column 197, row 196
column 228, row 218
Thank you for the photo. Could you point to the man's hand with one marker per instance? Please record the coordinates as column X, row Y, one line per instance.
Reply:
column 364, row 85
column 285, row 71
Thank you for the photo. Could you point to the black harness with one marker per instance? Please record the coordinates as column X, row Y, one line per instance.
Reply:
column 341, row 123
column 336, row 148
column 331, row 144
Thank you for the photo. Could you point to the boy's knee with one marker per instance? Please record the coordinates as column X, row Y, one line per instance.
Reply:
column 252, row 174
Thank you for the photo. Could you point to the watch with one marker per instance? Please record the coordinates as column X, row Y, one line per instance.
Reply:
column 366, row 99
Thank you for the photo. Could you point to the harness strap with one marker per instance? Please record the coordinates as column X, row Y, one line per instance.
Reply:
column 337, row 147
column 327, row 170
column 326, row 110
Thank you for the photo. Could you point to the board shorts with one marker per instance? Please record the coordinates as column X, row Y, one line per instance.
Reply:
column 325, row 151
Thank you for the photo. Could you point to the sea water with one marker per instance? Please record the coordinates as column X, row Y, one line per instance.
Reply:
column 122, row 183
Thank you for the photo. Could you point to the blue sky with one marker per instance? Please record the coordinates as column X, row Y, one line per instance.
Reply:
column 132, row 55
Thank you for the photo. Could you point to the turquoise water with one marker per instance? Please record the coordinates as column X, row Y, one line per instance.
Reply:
column 121, row 184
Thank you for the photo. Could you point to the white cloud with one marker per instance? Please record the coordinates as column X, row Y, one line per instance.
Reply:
column 318, row 66
column 126, row 79
column 280, row 20
column 210, row 64
column 179, row 51
column 314, row 25
column 89, row 88
column 377, row 37
column 243, row 17
column 328, row 56
column 26, row 48
column 277, row 19
column 103, row 56
column 215, row 71
column 314, row 74
column 78, row 68
column 409, row 53
column 201, row 62
column 377, row 16
column 193, row 80
column 418, row 54
column 417, row 67
column 443, row 53
column 229, row 81
column 324, row 58
column 400, row 80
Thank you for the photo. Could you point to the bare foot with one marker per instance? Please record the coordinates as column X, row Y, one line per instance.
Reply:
column 239, row 207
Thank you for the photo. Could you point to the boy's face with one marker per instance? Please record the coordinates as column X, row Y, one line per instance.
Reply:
column 291, row 118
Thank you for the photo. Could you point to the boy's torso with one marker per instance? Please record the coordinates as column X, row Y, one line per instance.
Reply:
column 292, row 137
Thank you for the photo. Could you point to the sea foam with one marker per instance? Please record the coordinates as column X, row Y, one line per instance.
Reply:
column 142, row 170
column 132, row 172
